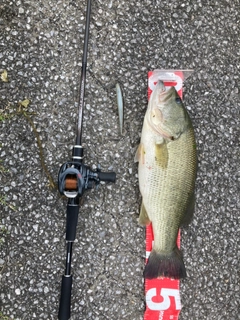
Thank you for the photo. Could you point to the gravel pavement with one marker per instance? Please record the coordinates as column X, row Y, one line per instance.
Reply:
column 41, row 49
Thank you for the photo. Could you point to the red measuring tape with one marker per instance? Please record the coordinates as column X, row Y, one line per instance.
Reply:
column 162, row 295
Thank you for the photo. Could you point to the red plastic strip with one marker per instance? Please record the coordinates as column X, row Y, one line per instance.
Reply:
column 162, row 295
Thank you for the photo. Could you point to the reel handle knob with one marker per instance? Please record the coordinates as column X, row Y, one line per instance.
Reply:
column 107, row 176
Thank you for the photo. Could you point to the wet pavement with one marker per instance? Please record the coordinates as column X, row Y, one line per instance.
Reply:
column 41, row 48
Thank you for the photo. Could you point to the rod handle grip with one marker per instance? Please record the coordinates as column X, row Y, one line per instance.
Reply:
column 65, row 299
column 107, row 176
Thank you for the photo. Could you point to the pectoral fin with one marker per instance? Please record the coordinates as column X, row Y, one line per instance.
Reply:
column 161, row 154
column 139, row 156
column 143, row 217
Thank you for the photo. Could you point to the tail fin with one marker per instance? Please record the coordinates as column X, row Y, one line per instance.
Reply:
column 162, row 265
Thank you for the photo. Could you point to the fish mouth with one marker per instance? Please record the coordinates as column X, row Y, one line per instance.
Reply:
column 160, row 88
column 161, row 94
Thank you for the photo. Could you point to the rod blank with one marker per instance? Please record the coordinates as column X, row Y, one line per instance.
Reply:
column 83, row 76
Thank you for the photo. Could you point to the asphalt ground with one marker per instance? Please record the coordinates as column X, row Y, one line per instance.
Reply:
column 41, row 49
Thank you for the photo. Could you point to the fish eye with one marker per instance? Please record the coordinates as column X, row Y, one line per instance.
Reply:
column 178, row 100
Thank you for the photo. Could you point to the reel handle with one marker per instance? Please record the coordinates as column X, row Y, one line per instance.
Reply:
column 107, row 176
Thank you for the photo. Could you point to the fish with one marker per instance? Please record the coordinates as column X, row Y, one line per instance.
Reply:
column 167, row 164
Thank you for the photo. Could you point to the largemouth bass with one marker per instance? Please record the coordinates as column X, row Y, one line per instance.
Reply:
column 166, row 172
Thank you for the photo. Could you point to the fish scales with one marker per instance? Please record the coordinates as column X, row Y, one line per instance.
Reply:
column 167, row 171
column 165, row 190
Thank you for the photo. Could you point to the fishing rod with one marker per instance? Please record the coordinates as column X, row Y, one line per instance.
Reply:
column 73, row 179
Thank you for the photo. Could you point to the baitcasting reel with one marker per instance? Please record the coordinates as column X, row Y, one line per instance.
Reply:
column 74, row 178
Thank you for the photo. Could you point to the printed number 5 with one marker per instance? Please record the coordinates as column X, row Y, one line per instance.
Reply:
column 165, row 304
